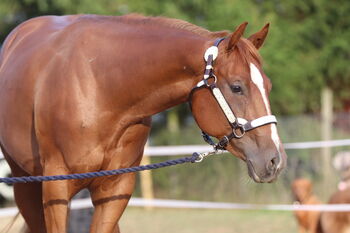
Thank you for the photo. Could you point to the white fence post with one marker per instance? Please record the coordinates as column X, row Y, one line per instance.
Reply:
column 326, row 133
column 146, row 180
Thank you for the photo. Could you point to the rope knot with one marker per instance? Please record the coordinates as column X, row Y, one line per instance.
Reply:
column 195, row 156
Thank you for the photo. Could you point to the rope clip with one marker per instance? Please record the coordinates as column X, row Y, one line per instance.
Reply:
column 203, row 155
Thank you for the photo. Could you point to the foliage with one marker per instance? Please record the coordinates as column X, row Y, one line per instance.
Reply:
column 307, row 47
column 314, row 50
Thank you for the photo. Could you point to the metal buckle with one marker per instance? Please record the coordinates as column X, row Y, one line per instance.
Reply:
column 206, row 81
column 202, row 156
column 222, row 143
column 238, row 130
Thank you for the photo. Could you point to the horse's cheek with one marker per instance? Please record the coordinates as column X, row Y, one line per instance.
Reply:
column 208, row 114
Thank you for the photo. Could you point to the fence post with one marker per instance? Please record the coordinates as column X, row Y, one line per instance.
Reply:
column 146, row 180
column 173, row 121
column 326, row 132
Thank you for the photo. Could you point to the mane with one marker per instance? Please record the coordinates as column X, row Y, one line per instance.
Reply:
column 248, row 51
column 244, row 47
column 174, row 23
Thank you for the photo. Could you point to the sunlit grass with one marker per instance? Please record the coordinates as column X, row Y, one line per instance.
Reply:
column 137, row 220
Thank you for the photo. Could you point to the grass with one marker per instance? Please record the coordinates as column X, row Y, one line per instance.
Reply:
column 139, row 220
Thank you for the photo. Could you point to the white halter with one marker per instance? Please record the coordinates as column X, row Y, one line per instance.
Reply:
column 239, row 125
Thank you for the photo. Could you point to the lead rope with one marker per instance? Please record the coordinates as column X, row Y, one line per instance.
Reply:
column 196, row 157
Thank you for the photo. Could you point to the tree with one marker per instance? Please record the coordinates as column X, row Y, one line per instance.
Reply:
column 307, row 47
column 315, row 51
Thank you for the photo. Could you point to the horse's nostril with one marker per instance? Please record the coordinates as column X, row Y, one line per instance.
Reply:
column 272, row 164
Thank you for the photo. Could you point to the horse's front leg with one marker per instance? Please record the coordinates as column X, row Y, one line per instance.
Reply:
column 110, row 205
column 57, row 195
column 56, row 204
column 110, row 195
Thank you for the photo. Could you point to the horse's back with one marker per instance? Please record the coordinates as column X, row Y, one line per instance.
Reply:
column 32, row 33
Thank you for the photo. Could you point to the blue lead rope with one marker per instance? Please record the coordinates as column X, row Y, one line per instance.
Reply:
column 26, row 179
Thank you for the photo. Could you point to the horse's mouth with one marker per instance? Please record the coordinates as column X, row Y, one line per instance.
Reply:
column 256, row 178
column 252, row 172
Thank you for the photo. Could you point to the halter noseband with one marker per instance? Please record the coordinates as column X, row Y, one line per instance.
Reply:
column 239, row 125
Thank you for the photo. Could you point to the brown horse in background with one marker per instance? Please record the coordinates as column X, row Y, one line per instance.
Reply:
column 78, row 92
column 336, row 222
column 320, row 221
column 303, row 194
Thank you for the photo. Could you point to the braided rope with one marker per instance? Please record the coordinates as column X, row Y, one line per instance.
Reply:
column 26, row 179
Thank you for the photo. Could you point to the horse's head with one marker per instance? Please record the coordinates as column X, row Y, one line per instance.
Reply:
column 302, row 189
column 245, row 88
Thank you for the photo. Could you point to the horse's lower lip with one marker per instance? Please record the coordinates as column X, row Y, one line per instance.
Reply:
column 252, row 172
column 256, row 178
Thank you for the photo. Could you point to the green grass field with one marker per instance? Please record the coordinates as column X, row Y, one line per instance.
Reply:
column 138, row 220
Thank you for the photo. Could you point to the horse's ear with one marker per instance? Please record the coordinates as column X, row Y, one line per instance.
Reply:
column 258, row 38
column 236, row 35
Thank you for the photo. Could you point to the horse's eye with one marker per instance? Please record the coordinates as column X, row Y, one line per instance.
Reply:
column 237, row 89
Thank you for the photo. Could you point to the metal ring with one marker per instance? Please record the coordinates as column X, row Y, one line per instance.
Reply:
column 210, row 77
column 238, row 131
column 222, row 143
column 200, row 158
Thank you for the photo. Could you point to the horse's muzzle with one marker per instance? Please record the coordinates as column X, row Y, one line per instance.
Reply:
column 268, row 171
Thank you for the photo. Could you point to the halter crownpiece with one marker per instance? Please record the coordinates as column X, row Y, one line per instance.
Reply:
column 239, row 125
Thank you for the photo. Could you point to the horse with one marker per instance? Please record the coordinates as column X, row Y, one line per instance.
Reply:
column 336, row 222
column 78, row 92
column 308, row 221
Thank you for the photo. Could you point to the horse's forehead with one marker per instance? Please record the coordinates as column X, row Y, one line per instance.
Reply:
column 256, row 75
column 247, row 70
column 258, row 80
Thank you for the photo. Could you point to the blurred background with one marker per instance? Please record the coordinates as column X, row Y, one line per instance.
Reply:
column 306, row 56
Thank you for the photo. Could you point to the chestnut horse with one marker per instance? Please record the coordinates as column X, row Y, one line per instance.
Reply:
column 307, row 220
column 336, row 222
column 78, row 92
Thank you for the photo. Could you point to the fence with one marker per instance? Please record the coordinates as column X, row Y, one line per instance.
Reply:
column 185, row 204
column 182, row 150
column 189, row 149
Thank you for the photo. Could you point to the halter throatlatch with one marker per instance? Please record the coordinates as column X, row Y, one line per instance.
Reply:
column 239, row 125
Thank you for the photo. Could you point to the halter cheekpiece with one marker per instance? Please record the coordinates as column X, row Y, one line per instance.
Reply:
column 239, row 125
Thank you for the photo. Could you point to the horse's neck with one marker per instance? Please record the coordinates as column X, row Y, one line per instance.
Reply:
column 306, row 199
column 164, row 72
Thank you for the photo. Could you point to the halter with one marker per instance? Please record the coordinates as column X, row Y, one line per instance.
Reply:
column 239, row 125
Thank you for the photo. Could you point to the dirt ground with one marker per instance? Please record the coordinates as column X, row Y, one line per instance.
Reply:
column 17, row 227
column 137, row 220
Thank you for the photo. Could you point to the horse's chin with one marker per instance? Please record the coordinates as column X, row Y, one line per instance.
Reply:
column 251, row 171
column 258, row 179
